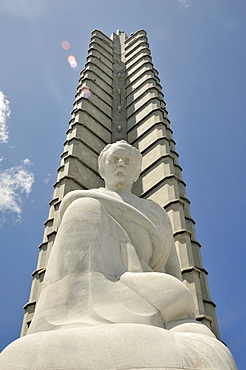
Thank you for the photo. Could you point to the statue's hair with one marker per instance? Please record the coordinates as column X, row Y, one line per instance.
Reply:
column 101, row 158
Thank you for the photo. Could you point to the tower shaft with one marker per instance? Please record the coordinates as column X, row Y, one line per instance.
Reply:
column 127, row 103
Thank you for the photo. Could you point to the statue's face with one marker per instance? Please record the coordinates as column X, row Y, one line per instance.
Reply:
column 121, row 165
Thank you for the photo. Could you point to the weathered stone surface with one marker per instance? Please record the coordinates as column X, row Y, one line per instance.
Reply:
column 112, row 296
column 122, row 346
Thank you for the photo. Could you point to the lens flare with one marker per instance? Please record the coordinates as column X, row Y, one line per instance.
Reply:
column 85, row 92
column 72, row 61
column 65, row 45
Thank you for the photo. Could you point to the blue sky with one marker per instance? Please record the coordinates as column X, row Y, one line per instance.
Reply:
column 198, row 47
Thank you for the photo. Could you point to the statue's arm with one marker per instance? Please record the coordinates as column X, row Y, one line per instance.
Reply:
column 172, row 266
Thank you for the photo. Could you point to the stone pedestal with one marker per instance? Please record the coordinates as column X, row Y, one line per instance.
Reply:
column 117, row 346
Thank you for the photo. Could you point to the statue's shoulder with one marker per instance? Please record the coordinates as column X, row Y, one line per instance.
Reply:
column 71, row 196
column 80, row 193
column 155, row 207
column 151, row 203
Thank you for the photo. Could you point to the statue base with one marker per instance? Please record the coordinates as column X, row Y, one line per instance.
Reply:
column 116, row 346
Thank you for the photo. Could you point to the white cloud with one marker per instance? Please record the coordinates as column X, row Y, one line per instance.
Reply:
column 15, row 183
column 4, row 114
column 184, row 3
column 47, row 179
column 26, row 161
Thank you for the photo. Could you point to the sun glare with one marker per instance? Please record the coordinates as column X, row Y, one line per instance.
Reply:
column 85, row 92
column 72, row 61
column 65, row 45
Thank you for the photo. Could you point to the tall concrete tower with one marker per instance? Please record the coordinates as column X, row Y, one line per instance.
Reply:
column 126, row 102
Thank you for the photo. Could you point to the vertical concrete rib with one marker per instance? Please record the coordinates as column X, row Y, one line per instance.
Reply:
column 127, row 103
column 119, row 100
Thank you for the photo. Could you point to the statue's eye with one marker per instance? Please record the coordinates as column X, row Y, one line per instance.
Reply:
column 114, row 159
column 128, row 160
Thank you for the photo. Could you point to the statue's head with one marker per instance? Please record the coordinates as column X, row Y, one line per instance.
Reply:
column 120, row 162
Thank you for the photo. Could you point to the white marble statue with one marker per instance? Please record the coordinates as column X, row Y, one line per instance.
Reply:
column 112, row 296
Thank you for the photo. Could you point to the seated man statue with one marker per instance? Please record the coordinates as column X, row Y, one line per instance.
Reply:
column 112, row 296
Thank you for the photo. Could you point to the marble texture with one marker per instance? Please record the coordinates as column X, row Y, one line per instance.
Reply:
column 121, row 346
column 112, row 296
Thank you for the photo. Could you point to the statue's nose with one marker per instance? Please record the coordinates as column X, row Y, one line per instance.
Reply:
column 121, row 162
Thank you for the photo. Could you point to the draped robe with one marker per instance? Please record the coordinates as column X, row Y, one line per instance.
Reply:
column 108, row 265
column 112, row 296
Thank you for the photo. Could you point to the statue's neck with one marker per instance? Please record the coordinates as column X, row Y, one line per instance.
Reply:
column 119, row 188
column 127, row 197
